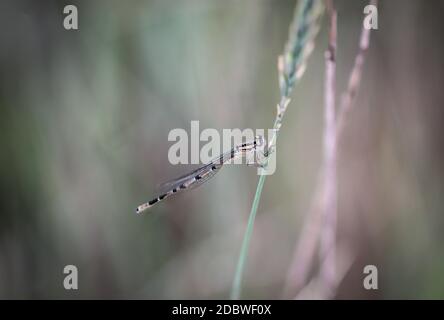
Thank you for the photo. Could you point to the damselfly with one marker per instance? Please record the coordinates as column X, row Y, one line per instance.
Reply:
column 207, row 171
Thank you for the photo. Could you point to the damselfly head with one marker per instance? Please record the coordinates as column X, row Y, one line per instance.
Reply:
column 258, row 141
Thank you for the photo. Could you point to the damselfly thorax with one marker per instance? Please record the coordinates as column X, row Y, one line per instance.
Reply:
column 253, row 151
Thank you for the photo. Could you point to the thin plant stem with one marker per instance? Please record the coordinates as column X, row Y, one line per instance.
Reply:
column 236, row 290
column 291, row 66
column 354, row 80
column 330, row 212
column 304, row 253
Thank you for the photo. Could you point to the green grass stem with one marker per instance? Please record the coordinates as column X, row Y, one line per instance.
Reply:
column 291, row 66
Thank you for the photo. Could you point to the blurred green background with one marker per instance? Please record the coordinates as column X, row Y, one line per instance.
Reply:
column 84, row 121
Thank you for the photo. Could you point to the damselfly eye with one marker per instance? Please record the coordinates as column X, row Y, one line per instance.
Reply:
column 259, row 141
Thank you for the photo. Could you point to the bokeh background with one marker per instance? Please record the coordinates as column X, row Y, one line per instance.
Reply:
column 84, row 121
